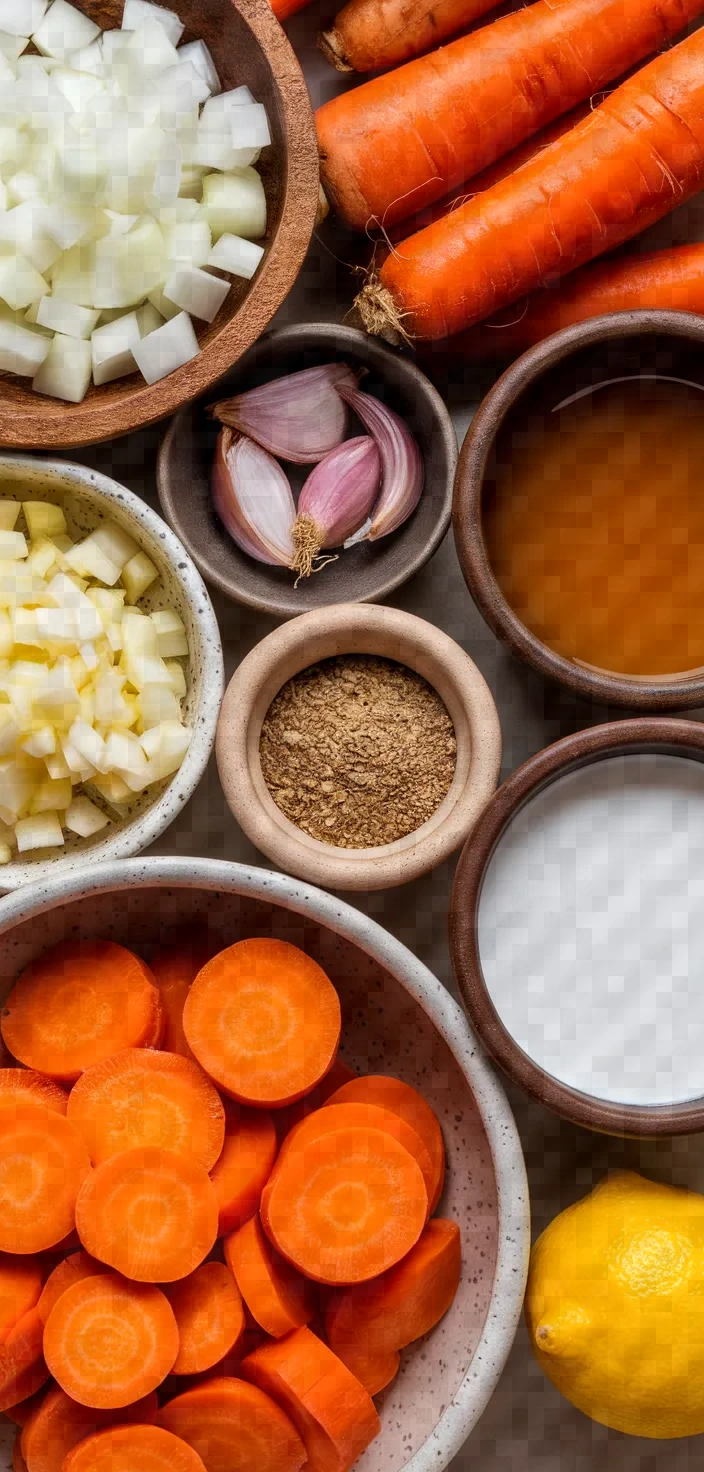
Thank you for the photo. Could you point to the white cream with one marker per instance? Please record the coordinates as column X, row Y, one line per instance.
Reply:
column 591, row 929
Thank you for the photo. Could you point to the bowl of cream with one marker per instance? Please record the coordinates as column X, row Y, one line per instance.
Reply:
column 577, row 927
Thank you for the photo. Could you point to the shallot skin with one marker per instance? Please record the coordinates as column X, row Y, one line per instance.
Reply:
column 261, row 530
column 299, row 417
column 340, row 493
column 403, row 471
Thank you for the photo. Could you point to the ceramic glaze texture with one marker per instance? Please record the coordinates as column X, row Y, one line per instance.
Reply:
column 398, row 1019
column 89, row 499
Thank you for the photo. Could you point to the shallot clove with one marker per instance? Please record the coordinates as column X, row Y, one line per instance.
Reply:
column 401, row 461
column 252, row 497
column 299, row 417
column 336, row 500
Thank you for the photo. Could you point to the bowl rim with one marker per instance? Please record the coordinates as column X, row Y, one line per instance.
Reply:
column 55, row 424
column 513, row 1238
column 139, row 832
column 673, row 736
column 608, row 688
column 377, row 354
column 347, row 628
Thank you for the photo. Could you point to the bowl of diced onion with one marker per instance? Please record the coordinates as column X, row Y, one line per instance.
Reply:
column 111, row 671
column 158, row 191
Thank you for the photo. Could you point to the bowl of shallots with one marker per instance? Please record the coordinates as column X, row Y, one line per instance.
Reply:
column 320, row 471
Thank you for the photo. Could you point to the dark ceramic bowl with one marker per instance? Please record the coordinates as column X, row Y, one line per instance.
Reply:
column 662, row 736
column 585, row 354
column 362, row 574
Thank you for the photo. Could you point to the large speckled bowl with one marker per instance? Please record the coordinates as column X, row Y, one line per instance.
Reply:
column 89, row 499
column 398, row 1019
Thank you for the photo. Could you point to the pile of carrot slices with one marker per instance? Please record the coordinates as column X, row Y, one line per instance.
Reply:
column 215, row 1239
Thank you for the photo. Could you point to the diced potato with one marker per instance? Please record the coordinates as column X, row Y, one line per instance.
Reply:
column 171, row 633
column 9, row 512
column 13, row 546
column 138, row 575
column 84, row 818
column 52, row 794
column 89, row 744
column 43, row 831
column 7, row 637
column 174, row 741
column 57, row 767
column 9, row 730
column 158, row 704
column 17, row 784
column 42, row 557
column 126, row 757
column 41, row 743
column 5, row 853
column 80, row 769
column 118, row 546
column 57, row 700
column 43, row 519
column 178, row 678
column 89, row 560
column 113, row 789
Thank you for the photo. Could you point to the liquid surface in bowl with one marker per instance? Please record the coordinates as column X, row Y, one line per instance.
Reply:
column 591, row 929
column 593, row 516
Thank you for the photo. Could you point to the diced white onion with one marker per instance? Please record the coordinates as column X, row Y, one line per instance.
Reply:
column 21, row 17
column 237, row 256
column 250, row 126
column 235, row 204
column 63, row 29
column 66, row 317
column 21, row 350
column 66, row 370
column 199, row 56
column 112, row 349
column 136, row 12
column 167, row 349
column 197, row 292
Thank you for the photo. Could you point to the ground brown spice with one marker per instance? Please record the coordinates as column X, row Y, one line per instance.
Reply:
column 358, row 751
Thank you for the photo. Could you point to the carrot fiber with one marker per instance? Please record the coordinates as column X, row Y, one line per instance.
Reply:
column 398, row 1097
column 141, row 1099
column 638, row 155
column 347, row 1206
column 174, row 970
column 43, row 1163
column 235, row 1427
column 263, row 1020
column 276, row 1296
column 60, row 1423
column 367, row 1325
column 21, row 1280
column 72, row 1270
column 25, row 1083
column 79, row 1003
column 371, row 1116
column 150, row 1214
column 133, row 1449
column 367, row 35
column 244, row 1167
column 209, row 1315
column 108, row 1342
column 333, row 1413
column 22, row 1367
column 401, row 141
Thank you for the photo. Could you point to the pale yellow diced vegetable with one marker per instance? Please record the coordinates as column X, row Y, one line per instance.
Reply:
column 17, row 784
column 89, row 561
column 25, row 626
column 84, row 818
column 5, row 853
column 113, row 789
column 138, row 575
column 41, row 743
column 42, row 557
column 58, row 768
column 89, row 744
column 158, row 704
column 54, row 793
column 13, row 546
column 43, row 519
column 57, row 700
column 168, row 745
column 9, row 730
column 178, row 678
column 126, row 757
column 80, row 769
column 43, row 831
column 7, row 637
column 9, row 512
column 171, row 633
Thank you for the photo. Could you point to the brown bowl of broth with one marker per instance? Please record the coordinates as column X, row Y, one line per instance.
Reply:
column 579, row 509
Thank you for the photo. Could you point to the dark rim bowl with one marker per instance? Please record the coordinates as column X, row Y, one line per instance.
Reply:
column 617, row 738
column 363, row 574
column 636, row 340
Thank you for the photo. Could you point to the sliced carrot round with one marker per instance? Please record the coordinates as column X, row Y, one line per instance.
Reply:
column 174, row 971
column 235, row 1427
column 72, row 1270
column 21, row 1412
column 141, row 1099
column 43, row 1162
column 287, row 1118
column 79, row 1003
column 150, row 1214
column 342, row 1116
column 133, row 1449
column 347, row 1206
column 275, row 1294
column 22, row 1367
column 263, row 1020
column 108, row 1342
column 209, row 1314
column 367, row 1325
column 60, row 1423
column 333, row 1413
column 18, row 1461
column 401, row 1099
column 244, row 1167
column 25, row 1081
column 21, row 1280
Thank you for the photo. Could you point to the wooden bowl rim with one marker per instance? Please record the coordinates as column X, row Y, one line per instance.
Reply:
column 651, row 694
column 281, row 602
column 671, row 736
column 357, row 628
column 58, row 425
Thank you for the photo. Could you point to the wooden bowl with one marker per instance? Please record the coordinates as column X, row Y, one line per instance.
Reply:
column 397, row 1019
column 573, row 755
column 362, row 574
column 622, row 343
column 248, row 45
column 356, row 629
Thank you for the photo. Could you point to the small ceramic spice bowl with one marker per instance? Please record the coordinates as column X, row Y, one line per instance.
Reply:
column 577, row 927
column 389, row 634
column 361, row 574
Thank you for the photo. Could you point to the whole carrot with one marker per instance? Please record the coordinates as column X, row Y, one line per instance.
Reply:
column 284, row 8
column 370, row 34
column 630, row 163
column 401, row 141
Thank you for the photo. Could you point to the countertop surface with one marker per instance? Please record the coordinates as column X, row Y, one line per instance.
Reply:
column 528, row 1426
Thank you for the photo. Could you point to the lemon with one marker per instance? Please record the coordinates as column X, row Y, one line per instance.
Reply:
column 615, row 1306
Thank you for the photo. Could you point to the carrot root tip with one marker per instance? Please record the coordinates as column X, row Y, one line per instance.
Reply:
column 323, row 206
column 329, row 45
column 380, row 314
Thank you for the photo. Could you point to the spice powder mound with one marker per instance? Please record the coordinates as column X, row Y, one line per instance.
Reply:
column 358, row 751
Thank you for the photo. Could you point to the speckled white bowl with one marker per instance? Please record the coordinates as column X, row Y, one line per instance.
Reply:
column 398, row 1019
column 89, row 498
